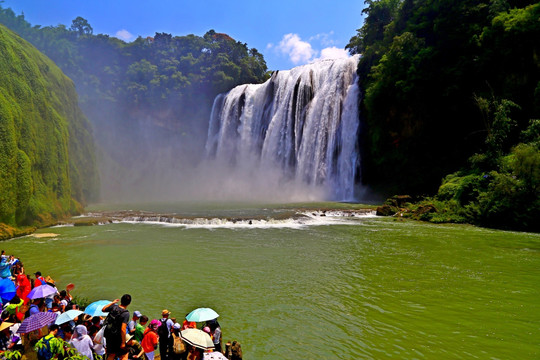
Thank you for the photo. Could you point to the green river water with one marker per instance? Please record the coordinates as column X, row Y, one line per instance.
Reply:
column 332, row 288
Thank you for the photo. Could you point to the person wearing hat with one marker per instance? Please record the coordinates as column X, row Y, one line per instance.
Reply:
column 178, row 346
column 150, row 339
column 5, row 336
column 164, row 332
column 132, row 324
column 135, row 349
column 82, row 341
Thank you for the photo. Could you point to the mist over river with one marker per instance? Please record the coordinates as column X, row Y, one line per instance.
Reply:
column 313, row 286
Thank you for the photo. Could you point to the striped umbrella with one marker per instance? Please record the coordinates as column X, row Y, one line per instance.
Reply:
column 37, row 321
column 197, row 338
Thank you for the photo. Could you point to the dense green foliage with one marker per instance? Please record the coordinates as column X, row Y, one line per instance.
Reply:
column 498, row 189
column 452, row 86
column 148, row 72
column 147, row 98
column 47, row 165
column 424, row 66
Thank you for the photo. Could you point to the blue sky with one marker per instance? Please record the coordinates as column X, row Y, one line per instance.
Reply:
column 288, row 33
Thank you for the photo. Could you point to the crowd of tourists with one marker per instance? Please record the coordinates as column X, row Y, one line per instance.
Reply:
column 114, row 335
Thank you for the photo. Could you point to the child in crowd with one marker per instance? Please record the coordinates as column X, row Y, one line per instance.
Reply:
column 150, row 340
column 138, row 334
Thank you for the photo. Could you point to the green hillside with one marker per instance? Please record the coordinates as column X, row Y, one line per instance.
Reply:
column 47, row 166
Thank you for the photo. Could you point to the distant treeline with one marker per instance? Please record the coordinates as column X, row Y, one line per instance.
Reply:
column 148, row 73
column 454, row 86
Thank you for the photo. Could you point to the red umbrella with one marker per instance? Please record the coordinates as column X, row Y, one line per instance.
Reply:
column 37, row 321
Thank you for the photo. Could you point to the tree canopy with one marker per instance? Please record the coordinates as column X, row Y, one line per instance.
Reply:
column 454, row 87
column 424, row 63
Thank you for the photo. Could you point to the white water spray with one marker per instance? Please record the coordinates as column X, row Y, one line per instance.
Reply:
column 301, row 124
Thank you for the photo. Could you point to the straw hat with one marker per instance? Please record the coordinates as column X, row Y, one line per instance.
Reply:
column 6, row 325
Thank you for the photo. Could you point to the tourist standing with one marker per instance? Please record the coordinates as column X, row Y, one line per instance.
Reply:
column 164, row 333
column 23, row 285
column 40, row 280
column 50, row 344
column 139, row 328
column 82, row 342
column 215, row 333
column 133, row 323
column 115, row 327
column 178, row 346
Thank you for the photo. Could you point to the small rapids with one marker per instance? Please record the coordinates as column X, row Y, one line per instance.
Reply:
column 290, row 219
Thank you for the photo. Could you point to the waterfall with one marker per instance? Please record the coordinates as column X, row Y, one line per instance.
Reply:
column 301, row 124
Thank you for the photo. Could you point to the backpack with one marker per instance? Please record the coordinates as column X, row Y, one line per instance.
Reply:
column 44, row 352
column 162, row 330
column 179, row 347
column 113, row 322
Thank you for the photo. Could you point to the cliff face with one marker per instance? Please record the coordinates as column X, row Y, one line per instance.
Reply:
column 47, row 164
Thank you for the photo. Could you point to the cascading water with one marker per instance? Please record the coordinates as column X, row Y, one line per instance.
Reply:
column 301, row 124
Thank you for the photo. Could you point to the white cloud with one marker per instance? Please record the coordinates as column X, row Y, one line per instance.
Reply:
column 325, row 39
column 298, row 51
column 333, row 53
column 124, row 35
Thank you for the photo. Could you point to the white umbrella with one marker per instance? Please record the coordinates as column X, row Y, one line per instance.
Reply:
column 197, row 338
column 67, row 316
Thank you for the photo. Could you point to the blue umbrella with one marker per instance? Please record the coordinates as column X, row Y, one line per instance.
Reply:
column 67, row 316
column 7, row 289
column 41, row 291
column 94, row 309
column 36, row 321
column 202, row 314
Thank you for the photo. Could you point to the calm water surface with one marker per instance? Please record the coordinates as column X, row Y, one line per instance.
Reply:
column 368, row 288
